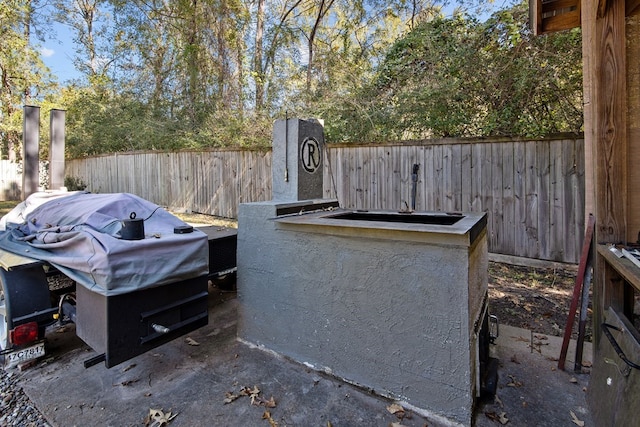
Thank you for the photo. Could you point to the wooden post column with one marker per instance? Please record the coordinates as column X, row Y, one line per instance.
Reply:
column 603, row 24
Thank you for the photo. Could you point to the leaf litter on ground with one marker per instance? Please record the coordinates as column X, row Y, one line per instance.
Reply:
column 191, row 341
column 158, row 418
column 254, row 396
column 396, row 410
column 501, row 417
column 576, row 420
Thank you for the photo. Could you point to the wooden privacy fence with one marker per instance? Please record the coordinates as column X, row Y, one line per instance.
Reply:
column 532, row 191
column 212, row 182
column 10, row 180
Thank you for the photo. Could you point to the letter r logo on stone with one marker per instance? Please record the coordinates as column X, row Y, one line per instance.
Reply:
column 310, row 155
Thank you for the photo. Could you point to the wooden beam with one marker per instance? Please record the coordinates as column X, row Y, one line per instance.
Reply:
column 588, row 12
column 632, row 6
column 610, row 122
column 562, row 22
column 550, row 6
column 549, row 16
column 604, row 65
column 602, row 8
column 535, row 16
column 633, row 125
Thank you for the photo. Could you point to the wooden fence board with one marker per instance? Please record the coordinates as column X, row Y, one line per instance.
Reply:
column 508, row 204
column 487, row 178
column 337, row 168
column 477, row 189
column 557, row 201
column 567, row 158
column 496, row 196
column 519, row 195
column 417, row 158
column 438, row 181
column 544, row 206
column 405, row 178
column 446, row 179
column 350, row 178
column 10, row 180
column 531, row 190
column 466, row 177
column 362, row 177
column 581, row 213
column 428, row 172
column 455, row 172
column 375, row 178
column 396, row 180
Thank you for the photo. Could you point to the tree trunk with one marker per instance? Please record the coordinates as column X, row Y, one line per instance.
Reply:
column 271, row 52
column 87, row 10
column 257, row 60
column 223, row 59
column 192, row 63
column 240, row 80
column 322, row 11
column 27, row 38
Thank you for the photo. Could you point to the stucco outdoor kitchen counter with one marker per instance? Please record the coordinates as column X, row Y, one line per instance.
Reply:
column 391, row 305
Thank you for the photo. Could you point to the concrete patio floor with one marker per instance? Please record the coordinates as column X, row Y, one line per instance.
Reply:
column 193, row 382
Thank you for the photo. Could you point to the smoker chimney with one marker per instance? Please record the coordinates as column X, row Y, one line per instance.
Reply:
column 56, row 149
column 30, row 150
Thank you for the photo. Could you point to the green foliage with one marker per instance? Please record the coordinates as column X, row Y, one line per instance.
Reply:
column 185, row 74
column 24, row 79
column 73, row 183
column 106, row 122
column 457, row 77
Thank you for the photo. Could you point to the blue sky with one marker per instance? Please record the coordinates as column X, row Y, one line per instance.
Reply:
column 58, row 54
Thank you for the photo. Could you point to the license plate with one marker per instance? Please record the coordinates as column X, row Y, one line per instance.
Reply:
column 24, row 354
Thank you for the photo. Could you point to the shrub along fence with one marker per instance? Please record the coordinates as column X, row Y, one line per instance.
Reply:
column 532, row 190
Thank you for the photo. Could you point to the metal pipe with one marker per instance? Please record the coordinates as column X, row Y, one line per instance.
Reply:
column 286, row 146
column 414, row 185
column 160, row 329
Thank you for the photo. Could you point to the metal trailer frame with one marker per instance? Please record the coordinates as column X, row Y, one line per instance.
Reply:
column 117, row 327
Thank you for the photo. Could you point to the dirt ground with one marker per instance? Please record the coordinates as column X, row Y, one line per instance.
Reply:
column 534, row 298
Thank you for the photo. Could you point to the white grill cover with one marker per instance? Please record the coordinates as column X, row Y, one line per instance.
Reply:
column 79, row 234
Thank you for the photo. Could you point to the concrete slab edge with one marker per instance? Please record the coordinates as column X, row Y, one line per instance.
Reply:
column 431, row 416
column 436, row 418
